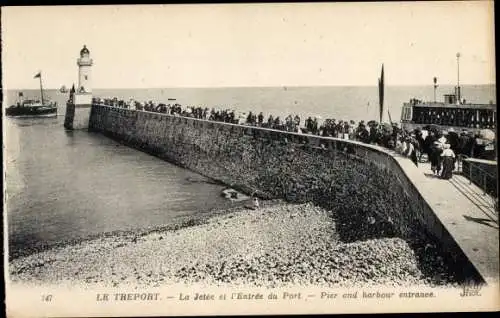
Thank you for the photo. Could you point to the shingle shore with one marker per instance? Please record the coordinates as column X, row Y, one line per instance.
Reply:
column 275, row 246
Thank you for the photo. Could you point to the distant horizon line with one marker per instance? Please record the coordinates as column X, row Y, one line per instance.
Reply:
column 268, row 86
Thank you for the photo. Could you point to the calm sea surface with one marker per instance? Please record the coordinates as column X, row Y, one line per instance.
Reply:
column 67, row 185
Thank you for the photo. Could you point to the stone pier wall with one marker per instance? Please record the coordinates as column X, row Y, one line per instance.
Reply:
column 364, row 185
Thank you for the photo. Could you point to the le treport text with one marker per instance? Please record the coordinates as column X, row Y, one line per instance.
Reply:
column 257, row 296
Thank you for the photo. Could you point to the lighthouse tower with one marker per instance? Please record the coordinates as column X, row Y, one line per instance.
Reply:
column 80, row 99
column 84, row 64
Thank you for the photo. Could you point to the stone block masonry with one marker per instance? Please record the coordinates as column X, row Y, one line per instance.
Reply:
column 77, row 116
column 363, row 185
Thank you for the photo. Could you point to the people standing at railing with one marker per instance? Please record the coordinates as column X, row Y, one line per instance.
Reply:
column 478, row 146
column 465, row 143
column 289, row 123
column 382, row 134
column 405, row 145
column 362, row 133
column 327, row 128
column 250, row 118
column 374, row 133
column 308, row 124
column 339, row 127
column 315, row 127
column 350, row 130
column 345, row 130
column 260, row 119
column 270, row 121
column 277, row 123
column 296, row 121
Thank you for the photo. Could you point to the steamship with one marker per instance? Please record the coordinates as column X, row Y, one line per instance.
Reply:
column 454, row 113
column 32, row 107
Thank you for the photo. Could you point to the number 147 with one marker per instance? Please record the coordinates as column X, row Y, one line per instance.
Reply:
column 46, row 298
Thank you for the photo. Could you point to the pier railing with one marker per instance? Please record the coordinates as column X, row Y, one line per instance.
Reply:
column 472, row 170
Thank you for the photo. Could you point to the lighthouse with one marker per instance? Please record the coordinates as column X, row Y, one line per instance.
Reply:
column 80, row 99
column 84, row 65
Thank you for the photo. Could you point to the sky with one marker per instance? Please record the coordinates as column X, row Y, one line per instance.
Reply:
column 308, row 44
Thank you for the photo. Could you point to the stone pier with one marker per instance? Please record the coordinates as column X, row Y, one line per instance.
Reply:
column 357, row 180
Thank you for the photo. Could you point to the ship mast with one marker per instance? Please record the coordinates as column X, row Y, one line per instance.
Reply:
column 41, row 88
column 458, row 79
column 381, row 94
column 39, row 75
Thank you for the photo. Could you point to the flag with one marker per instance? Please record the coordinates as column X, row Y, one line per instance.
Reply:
column 38, row 75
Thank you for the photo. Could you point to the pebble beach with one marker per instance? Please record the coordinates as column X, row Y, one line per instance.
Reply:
column 277, row 245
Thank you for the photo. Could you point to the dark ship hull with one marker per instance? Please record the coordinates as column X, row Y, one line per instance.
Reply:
column 31, row 111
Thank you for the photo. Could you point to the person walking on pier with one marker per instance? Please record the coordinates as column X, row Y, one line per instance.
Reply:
column 420, row 139
column 448, row 162
column 429, row 144
column 435, row 158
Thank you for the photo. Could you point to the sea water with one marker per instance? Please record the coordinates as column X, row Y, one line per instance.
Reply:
column 63, row 185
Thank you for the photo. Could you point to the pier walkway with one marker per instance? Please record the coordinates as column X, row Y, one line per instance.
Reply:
column 465, row 211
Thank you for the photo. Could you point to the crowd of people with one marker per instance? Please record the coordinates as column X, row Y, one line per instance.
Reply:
column 437, row 148
column 441, row 148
